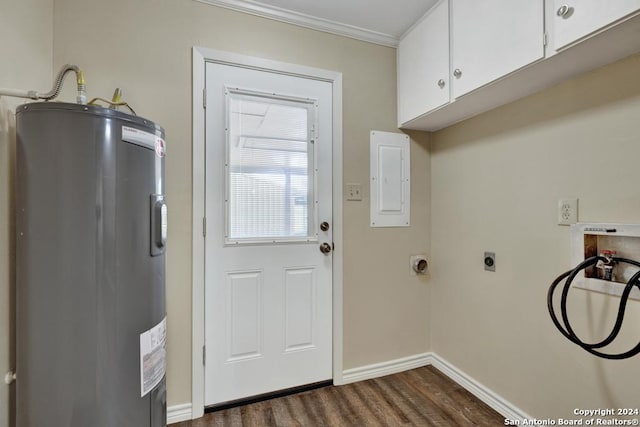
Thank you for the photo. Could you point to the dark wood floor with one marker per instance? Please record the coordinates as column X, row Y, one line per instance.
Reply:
column 419, row 397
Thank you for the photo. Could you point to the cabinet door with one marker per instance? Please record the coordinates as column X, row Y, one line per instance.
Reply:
column 574, row 19
column 423, row 65
column 492, row 38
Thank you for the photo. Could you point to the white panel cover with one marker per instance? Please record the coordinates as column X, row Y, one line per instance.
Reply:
column 390, row 188
column 390, row 185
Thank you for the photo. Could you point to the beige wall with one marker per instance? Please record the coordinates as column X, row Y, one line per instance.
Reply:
column 496, row 180
column 26, row 49
column 144, row 47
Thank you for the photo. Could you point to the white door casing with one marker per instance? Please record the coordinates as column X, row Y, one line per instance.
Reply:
column 268, row 294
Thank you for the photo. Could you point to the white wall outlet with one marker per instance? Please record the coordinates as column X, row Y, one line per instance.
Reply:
column 567, row 211
column 354, row 192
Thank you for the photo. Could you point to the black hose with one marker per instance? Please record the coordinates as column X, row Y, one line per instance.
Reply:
column 565, row 327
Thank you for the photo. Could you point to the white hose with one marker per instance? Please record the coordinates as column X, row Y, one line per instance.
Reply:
column 18, row 93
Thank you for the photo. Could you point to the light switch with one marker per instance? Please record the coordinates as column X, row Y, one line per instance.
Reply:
column 354, row 192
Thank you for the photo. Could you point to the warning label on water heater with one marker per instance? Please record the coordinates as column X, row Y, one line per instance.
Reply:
column 161, row 149
column 153, row 356
column 138, row 137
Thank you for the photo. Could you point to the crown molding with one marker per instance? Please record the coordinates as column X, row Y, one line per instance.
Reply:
column 304, row 20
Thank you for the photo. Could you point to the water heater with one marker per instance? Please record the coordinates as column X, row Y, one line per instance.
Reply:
column 90, row 268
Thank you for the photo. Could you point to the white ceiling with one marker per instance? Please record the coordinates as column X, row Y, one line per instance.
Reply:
column 377, row 21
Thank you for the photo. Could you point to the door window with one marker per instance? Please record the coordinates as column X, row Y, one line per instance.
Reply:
column 270, row 168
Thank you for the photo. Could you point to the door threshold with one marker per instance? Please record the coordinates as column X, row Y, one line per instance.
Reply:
column 266, row 396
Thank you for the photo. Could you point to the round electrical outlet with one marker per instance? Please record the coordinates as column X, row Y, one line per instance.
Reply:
column 490, row 261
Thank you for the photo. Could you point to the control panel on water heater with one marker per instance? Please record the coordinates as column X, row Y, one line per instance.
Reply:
column 158, row 224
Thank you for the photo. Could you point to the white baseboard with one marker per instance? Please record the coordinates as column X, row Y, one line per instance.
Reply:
column 505, row 408
column 495, row 401
column 498, row 403
column 385, row 368
column 178, row 413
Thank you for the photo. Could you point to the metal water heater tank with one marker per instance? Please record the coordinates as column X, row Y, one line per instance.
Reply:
column 90, row 268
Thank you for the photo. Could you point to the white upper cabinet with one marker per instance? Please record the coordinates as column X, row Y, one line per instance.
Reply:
column 492, row 38
column 423, row 65
column 575, row 19
column 494, row 52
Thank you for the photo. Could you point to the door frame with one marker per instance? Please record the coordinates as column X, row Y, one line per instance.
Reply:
column 200, row 56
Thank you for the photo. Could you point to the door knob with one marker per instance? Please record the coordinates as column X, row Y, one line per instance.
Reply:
column 324, row 226
column 457, row 73
column 564, row 11
column 325, row 248
column 441, row 83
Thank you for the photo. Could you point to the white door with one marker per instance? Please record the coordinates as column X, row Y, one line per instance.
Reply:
column 268, row 285
column 492, row 38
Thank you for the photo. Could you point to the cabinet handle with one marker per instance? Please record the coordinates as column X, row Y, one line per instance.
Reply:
column 457, row 73
column 441, row 83
column 564, row 11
